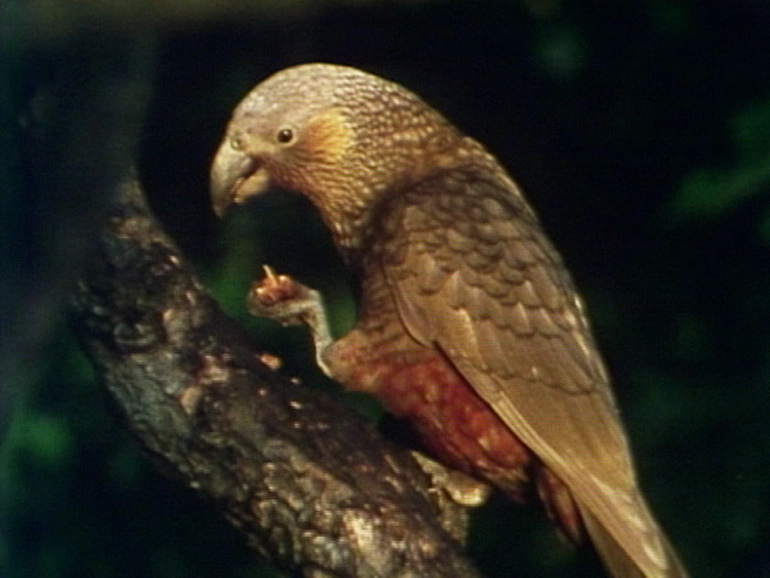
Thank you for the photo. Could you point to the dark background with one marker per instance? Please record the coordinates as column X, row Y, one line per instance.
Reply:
column 641, row 134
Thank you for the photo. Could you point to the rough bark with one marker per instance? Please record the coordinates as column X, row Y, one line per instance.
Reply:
column 311, row 484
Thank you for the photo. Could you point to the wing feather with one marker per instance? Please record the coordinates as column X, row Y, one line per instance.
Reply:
column 474, row 275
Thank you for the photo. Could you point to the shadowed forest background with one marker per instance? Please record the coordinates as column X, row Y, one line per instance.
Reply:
column 640, row 133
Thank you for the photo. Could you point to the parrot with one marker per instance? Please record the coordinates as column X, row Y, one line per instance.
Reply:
column 468, row 326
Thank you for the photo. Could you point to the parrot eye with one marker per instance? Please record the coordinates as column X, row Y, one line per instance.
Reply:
column 285, row 136
column 236, row 143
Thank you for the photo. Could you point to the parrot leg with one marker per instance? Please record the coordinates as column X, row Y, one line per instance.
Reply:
column 282, row 299
column 461, row 488
column 450, row 489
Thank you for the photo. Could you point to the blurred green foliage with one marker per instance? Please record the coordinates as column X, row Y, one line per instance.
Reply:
column 711, row 192
column 640, row 132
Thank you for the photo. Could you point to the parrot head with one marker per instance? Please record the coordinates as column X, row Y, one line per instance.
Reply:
column 338, row 135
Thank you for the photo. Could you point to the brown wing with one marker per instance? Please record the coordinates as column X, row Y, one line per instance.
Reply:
column 474, row 274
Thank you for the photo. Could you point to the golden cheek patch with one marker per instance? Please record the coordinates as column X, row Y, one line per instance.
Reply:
column 328, row 137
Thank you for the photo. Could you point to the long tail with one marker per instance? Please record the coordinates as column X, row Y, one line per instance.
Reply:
column 652, row 556
column 618, row 562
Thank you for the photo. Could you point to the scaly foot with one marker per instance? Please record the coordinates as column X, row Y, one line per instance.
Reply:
column 282, row 299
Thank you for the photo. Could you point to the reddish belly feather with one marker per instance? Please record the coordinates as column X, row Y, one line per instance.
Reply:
column 453, row 422
column 456, row 426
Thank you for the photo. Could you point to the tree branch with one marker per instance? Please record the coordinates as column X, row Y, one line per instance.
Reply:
column 310, row 483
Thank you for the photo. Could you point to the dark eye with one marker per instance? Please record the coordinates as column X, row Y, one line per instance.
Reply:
column 285, row 136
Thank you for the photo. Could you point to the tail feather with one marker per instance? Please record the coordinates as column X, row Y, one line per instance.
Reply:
column 617, row 560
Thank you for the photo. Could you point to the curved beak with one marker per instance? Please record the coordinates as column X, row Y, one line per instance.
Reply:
column 235, row 177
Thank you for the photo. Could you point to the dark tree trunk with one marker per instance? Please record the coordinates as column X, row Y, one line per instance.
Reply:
column 311, row 484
